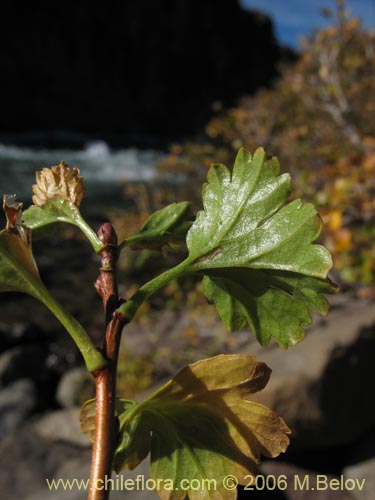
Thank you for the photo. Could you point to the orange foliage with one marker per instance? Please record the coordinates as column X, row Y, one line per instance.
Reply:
column 319, row 119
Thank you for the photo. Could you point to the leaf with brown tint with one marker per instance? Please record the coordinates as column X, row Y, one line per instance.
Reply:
column 201, row 426
column 18, row 270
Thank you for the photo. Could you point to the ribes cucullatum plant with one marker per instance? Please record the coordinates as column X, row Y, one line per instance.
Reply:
column 261, row 268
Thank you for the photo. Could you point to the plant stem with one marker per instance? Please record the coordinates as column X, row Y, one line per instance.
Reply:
column 93, row 358
column 80, row 222
column 105, row 378
column 130, row 307
column 35, row 287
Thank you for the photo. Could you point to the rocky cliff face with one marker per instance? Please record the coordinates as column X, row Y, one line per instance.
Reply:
column 134, row 68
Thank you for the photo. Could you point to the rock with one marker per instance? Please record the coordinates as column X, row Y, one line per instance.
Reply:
column 16, row 403
column 21, row 362
column 78, row 468
column 62, row 425
column 15, row 332
column 28, row 458
column 132, row 70
column 363, row 470
column 30, row 362
column 300, row 484
column 75, row 387
column 321, row 385
column 361, row 465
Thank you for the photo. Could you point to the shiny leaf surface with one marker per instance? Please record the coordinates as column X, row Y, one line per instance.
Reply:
column 56, row 210
column 167, row 225
column 247, row 223
column 257, row 252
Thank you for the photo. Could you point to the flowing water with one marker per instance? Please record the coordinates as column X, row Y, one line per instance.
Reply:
column 103, row 169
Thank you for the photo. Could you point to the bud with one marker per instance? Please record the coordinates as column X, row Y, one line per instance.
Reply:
column 61, row 182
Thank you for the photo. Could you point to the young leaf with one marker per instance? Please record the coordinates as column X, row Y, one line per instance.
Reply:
column 57, row 195
column 19, row 273
column 200, row 425
column 54, row 211
column 167, row 225
column 272, row 303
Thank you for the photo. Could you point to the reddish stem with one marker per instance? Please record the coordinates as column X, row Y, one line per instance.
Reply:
column 105, row 379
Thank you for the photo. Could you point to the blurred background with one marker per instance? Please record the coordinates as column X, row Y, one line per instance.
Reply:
column 143, row 96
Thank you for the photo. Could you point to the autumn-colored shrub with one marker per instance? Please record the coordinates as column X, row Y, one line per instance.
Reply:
column 319, row 119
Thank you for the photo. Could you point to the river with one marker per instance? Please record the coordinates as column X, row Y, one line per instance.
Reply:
column 103, row 168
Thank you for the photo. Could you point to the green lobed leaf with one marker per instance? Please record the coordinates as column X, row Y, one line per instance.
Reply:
column 246, row 222
column 201, row 426
column 167, row 225
column 56, row 210
column 248, row 232
column 272, row 303
column 257, row 252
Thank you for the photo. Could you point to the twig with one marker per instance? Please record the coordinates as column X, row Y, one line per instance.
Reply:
column 105, row 379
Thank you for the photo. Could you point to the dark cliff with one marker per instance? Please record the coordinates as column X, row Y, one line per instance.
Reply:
column 128, row 69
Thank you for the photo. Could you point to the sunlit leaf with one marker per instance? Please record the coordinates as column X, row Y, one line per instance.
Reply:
column 258, row 253
column 167, row 225
column 247, row 223
column 200, row 425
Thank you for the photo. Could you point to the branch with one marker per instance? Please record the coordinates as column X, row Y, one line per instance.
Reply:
column 105, row 379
